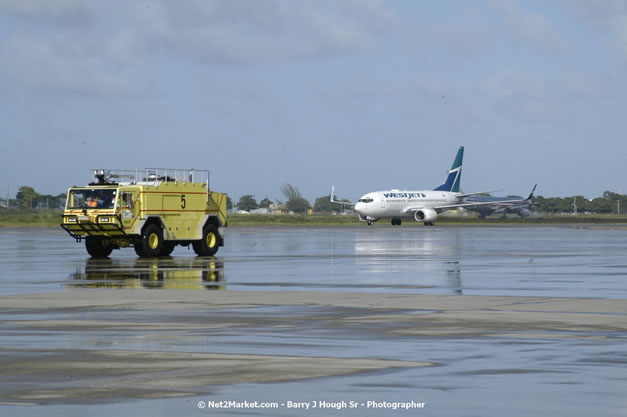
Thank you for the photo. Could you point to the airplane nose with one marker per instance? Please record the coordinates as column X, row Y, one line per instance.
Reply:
column 359, row 208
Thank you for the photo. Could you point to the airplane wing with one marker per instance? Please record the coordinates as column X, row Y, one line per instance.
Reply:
column 514, row 203
column 463, row 195
column 453, row 206
column 487, row 203
column 510, row 204
column 505, row 203
column 531, row 194
column 333, row 200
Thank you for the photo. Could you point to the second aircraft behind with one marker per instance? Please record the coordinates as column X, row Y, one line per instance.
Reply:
column 424, row 206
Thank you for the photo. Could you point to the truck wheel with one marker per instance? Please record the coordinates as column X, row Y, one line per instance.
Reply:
column 210, row 242
column 149, row 244
column 98, row 248
column 167, row 248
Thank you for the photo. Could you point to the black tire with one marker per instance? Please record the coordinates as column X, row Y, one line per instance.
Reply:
column 167, row 248
column 150, row 243
column 210, row 242
column 98, row 248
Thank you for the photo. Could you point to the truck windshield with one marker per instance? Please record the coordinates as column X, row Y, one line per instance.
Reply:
column 91, row 199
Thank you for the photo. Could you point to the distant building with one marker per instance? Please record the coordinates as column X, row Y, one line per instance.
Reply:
column 279, row 208
column 261, row 210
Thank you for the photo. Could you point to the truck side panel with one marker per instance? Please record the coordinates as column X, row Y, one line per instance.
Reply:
column 217, row 206
column 181, row 208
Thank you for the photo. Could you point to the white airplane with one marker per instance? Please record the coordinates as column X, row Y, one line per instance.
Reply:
column 423, row 206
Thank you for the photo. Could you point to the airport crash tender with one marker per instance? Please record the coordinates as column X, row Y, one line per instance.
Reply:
column 152, row 210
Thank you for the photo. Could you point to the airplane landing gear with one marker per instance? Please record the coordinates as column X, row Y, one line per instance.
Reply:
column 396, row 222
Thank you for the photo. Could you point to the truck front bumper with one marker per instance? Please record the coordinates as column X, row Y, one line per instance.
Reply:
column 79, row 229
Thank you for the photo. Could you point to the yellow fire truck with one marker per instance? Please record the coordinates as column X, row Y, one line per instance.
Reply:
column 151, row 209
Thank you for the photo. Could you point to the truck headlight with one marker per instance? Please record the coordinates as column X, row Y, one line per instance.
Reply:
column 105, row 219
column 71, row 219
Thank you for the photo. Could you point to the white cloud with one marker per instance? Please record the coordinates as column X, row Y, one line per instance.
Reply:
column 619, row 28
column 527, row 97
column 109, row 51
column 52, row 10
column 67, row 65
column 607, row 18
column 244, row 32
column 595, row 10
column 530, row 28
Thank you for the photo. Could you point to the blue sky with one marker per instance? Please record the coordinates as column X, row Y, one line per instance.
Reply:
column 361, row 94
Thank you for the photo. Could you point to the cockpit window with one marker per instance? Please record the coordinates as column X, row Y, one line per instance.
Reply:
column 91, row 199
column 366, row 200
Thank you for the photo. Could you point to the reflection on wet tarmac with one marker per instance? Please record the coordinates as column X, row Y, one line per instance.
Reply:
column 432, row 260
column 165, row 273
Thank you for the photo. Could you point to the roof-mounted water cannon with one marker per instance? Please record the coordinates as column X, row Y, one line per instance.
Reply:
column 100, row 175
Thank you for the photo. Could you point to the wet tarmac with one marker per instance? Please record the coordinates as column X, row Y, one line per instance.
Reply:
column 467, row 321
column 516, row 261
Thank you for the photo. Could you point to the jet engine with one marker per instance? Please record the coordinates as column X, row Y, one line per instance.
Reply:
column 523, row 212
column 426, row 215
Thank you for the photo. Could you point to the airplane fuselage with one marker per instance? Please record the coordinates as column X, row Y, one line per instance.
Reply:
column 397, row 204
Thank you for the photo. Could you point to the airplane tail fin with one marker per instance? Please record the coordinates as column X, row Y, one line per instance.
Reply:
column 532, row 191
column 454, row 175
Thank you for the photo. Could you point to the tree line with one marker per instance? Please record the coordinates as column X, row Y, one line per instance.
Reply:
column 295, row 202
column 608, row 203
column 28, row 198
